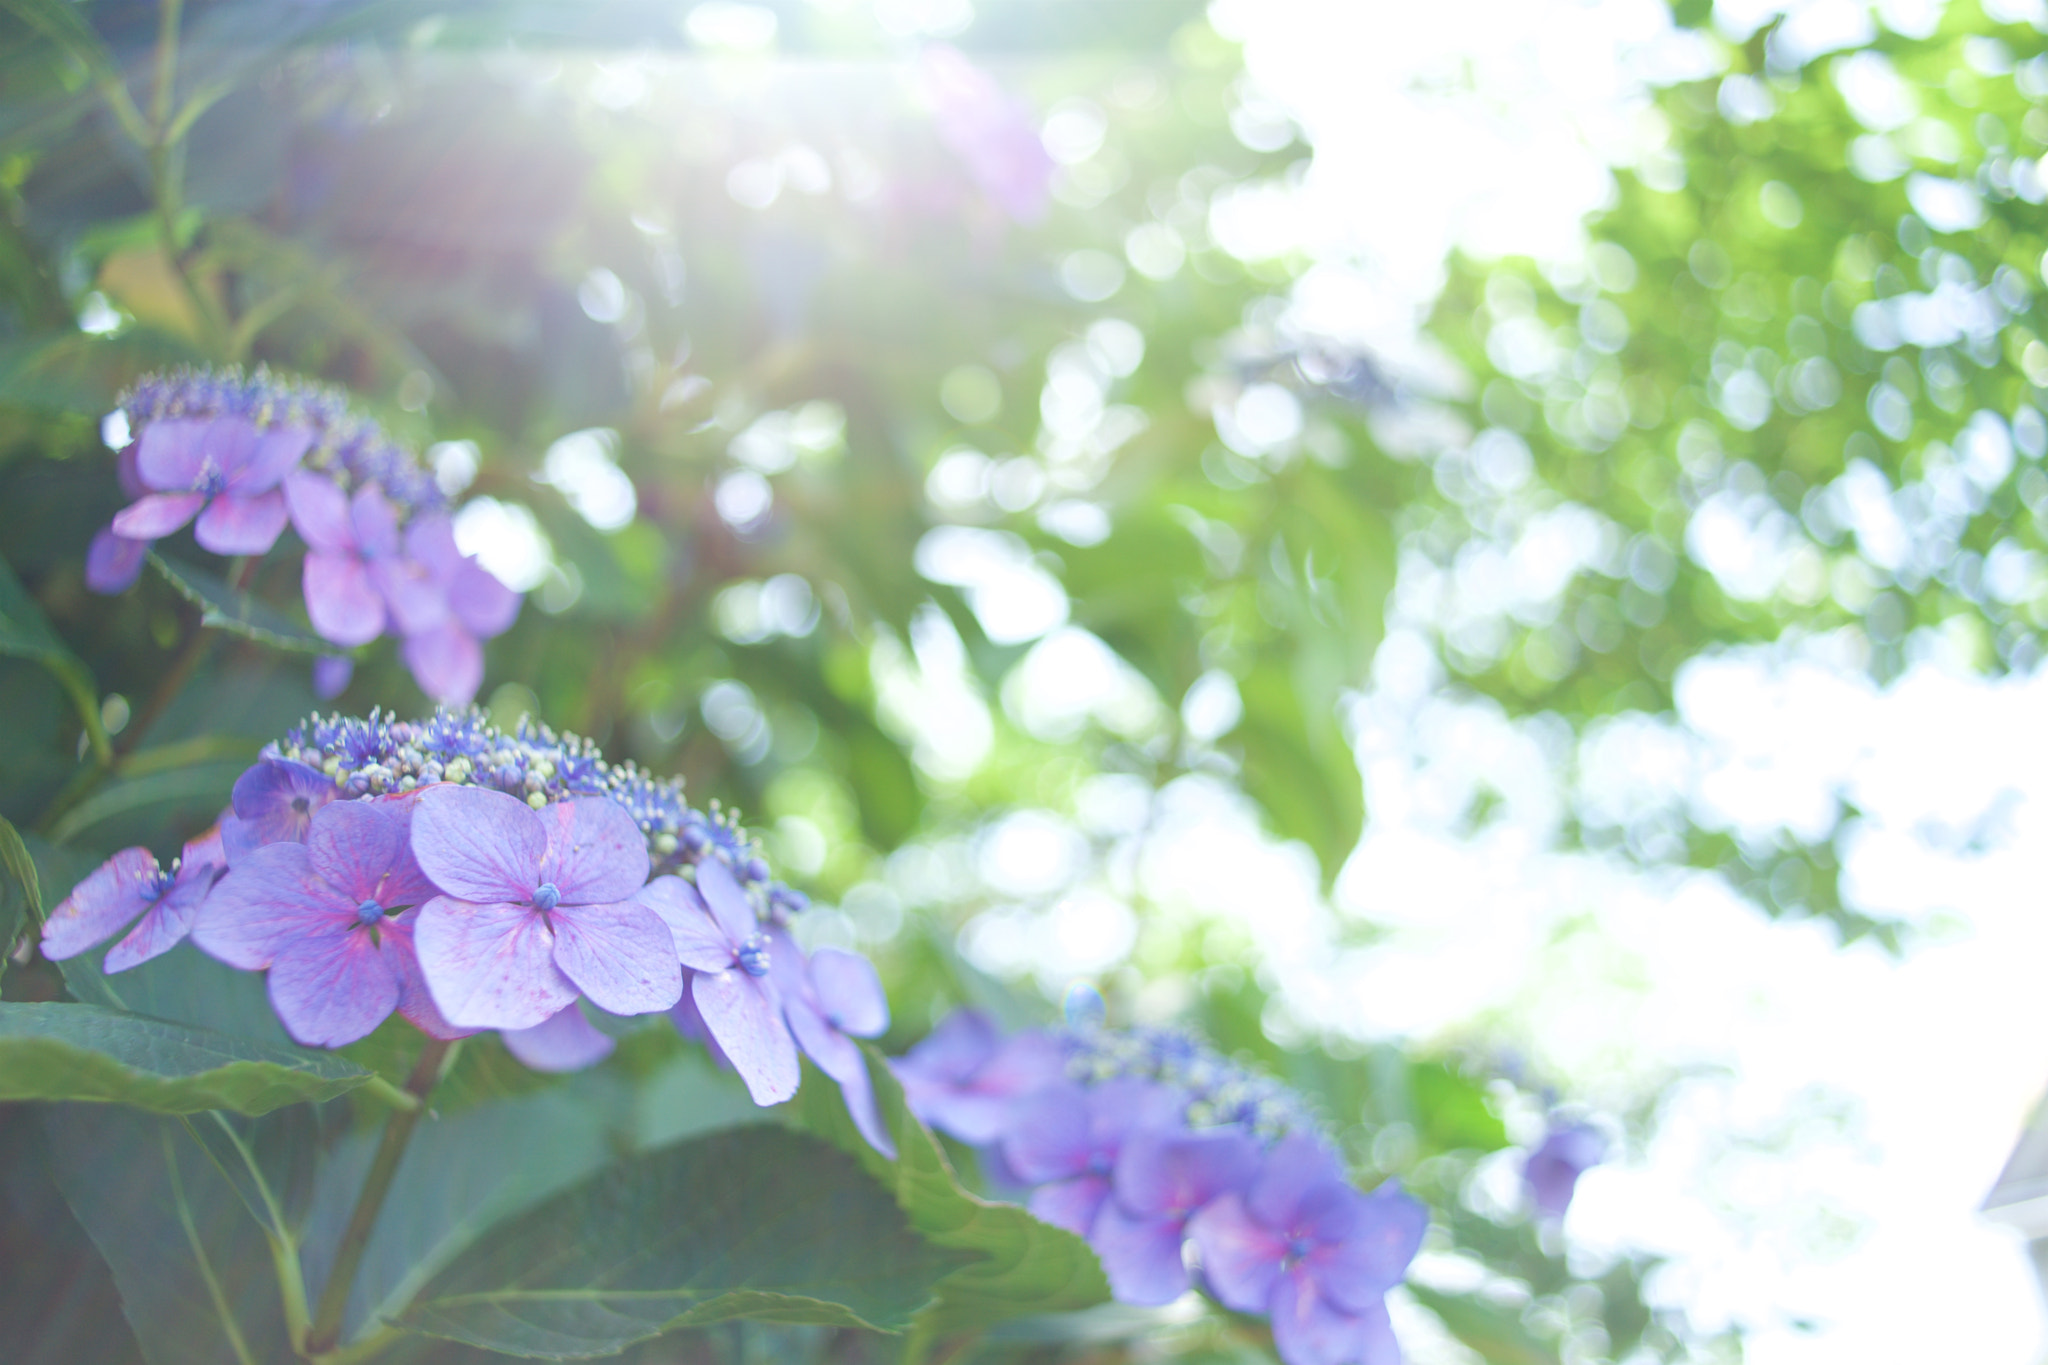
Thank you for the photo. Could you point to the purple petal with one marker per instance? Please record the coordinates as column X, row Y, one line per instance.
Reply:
column 242, row 523
column 331, row 674
column 1357, row 1271
column 596, row 854
column 100, row 906
column 320, row 513
column 343, row 603
column 479, row 845
column 750, row 1031
column 204, row 858
column 1141, row 1256
column 1552, row 1171
column 1241, row 1257
column 490, row 966
column 113, row 562
column 413, row 594
column 1071, row 1204
column 482, row 603
column 430, row 542
column 699, row 942
column 331, row 990
column 274, row 455
column 415, row 1000
column 271, row 899
column 375, row 522
column 126, row 474
column 566, row 1041
column 360, row 847
column 173, row 453
column 239, row 838
column 163, row 926
column 1294, row 1166
column 277, row 799
column 1173, row 1174
column 620, row 955
column 1308, row 1329
column 156, row 515
column 850, row 992
column 447, row 663
column 960, row 1046
column 690, row 1024
column 839, row 1057
column 729, row 904
column 1049, row 1137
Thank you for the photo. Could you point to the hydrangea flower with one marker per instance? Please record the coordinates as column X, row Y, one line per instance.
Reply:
column 537, row 908
column 131, row 887
column 274, row 801
column 718, row 938
column 967, row 1079
column 348, row 539
column 828, row 1000
column 1065, row 1139
column 225, row 465
column 1162, row 1179
column 332, row 920
column 1301, row 1245
column 1552, row 1171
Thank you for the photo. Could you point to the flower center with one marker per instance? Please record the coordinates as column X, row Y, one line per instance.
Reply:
column 546, row 897
column 1297, row 1250
column 369, row 912
column 300, row 805
column 753, row 956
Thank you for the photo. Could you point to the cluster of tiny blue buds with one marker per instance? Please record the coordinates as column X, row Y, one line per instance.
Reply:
column 373, row 755
column 1220, row 1092
column 352, row 449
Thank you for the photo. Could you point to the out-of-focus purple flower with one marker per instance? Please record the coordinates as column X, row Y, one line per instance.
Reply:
column 274, row 801
column 129, row 885
column 1162, row 1180
column 1065, row 1139
column 1552, row 1171
column 1301, row 1245
column 565, row 1041
column 715, row 933
column 828, row 1001
column 967, row 1079
column 320, row 917
column 538, row 907
column 446, row 604
column 990, row 130
column 347, row 540
column 331, row 674
column 113, row 562
column 225, row 465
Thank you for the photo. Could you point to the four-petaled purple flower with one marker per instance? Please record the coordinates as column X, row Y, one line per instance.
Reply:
column 274, row 802
column 828, row 1001
column 1552, row 1171
column 331, row 918
column 128, row 885
column 1301, row 1245
column 222, row 464
column 1065, row 1139
column 538, row 907
column 967, row 1079
column 716, row 934
column 1163, row 1179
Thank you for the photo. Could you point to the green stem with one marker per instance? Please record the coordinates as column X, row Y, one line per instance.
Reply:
column 326, row 1330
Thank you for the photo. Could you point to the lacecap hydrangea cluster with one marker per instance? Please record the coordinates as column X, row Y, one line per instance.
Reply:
column 1148, row 1143
column 241, row 456
column 469, row 879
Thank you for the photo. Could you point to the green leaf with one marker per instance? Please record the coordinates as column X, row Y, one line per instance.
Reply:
column 1496, row 1331
column 1026, row 1267
column 1298, row 766
column 21, row 896
column 25, row 633
column 87, row 1052
column 754, row 1222
column 224, row 608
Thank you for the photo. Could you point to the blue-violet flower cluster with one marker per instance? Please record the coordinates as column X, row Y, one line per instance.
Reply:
column 241, row 456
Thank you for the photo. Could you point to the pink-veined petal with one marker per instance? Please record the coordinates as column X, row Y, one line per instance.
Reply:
column 355, row 845
column 343, row 603
column 333, row 989
column 596, row 854
column 155, row 515
column 162, row 927
column 275, row 454
column 749, row 1029
column 271, row 899
column 1356, row 1271
column 1070, row 1204
column 566, row 1041
column 490, row 966
column 1176, row 1172
column 850, row 992
column 113, row 562
column 477, row 844
column 1310, row 1329
column 447, row 663
column 319, row 512
column 839, row 1057
column 414, row 595
column 172, row 453
column 699, row 942
column 729, row 904
column 620, row 955
column 1241, row 1257
column 375, row 522
column 101, row 905
column 1141, row 1256
column 241, row 523
column 415, row 1001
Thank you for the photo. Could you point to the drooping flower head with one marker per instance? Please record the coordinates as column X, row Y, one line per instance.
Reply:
column 1552, row 1171
column 130, row 887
